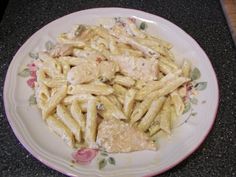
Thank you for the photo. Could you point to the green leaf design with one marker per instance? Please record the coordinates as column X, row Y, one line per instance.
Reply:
column 143, row 26
column 111, row 160
column 32, row 100
column 187, row 107
column 201, row 86
column 104, row 154
column 49, row 45
column 195, row 74
column 24, row 73
column 194, row 114
column 34, row 55
column 194, row 100
column 102, row 163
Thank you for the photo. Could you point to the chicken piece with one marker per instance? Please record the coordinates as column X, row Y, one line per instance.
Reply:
column 89, row 70
column 85, row 72
column 148, row 52
column 61, row 50
column 117, row 136
column 137, row 68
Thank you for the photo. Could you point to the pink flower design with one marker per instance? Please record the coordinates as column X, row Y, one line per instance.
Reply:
column 33, row 74
column 31, row 81
column 84, row 156
column 32, row 67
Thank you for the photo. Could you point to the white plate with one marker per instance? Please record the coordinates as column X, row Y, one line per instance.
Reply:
column 32, row 132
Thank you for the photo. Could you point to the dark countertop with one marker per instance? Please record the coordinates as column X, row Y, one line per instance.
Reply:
column 203, row 20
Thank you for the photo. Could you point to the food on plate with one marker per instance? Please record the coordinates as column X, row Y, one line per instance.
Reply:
column 111, row 87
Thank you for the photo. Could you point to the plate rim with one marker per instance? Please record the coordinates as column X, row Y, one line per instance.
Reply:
column 61, row 170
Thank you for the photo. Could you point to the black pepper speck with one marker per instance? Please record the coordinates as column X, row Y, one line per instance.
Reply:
column 202, row 19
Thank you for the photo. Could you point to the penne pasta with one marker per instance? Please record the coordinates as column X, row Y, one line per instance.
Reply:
column 178, row 103
column 61, row 130
column 114, row 73
column 124, row 81
column 115, row 100
column 155, row 85
column 73, row 61
column 119, row 90
column 53, row 101
column 169, row 63
column 129, row 102
column 54, row 65
column 65, row 116
column 154, row 129
column 140, row 110
column 155, row 107
column 112, row 108
column 55, row 82
column 164, row 68
column 169, row 87
column 165, row 117
column 77, row 97
column 96, row 89
column 91, row 123
column 186, row 68
column 77, row 114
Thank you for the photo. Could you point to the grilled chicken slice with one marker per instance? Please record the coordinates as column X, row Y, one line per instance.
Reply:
column 137, row 68
column 117, row 136
column 61, row 50
column 89, row 70
column 148, row 52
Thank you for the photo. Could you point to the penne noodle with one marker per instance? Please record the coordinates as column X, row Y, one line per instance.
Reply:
column 129, row 102
column 42, row 94
column 115, row 100
column 154, row 129
column 165, row 117
column 54, row 100
column 91, row 123
column 140, row 110
column 65, row 116
column 152, row 44
column 173, row 116
column 77, row 114
column 61, row 130
column 169, row 87
column 77, row 97
column 96, row 89
column 54, row 65
column 139, row 84
column 119, row 90
column 65, row 67
column 55, row 82
column 155, row 85
column 75, row 43
column 124, row 81
column 73, row 61
column 186, row 68
column 155, row 107
column 169, row 63
column 112, row 108
column 178, row 103
column 166, row 69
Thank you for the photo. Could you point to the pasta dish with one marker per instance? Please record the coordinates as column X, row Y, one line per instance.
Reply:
column 113, row 87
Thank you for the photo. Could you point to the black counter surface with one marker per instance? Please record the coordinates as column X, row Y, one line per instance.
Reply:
column 202, row 19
